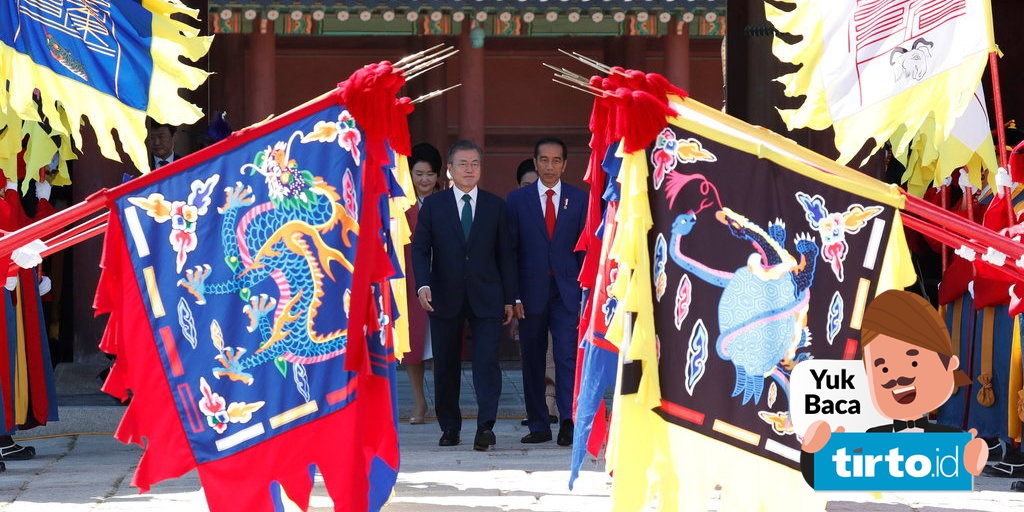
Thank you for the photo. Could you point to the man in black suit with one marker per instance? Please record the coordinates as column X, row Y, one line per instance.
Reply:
column 464, row 266
column 161, row 144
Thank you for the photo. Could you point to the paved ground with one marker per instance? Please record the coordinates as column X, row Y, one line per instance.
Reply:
column 78, row 471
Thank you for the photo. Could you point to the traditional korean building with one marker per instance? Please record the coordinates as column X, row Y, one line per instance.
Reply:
column 271, row 55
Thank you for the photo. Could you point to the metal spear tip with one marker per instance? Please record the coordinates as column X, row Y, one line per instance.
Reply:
column 600, row 66
column 600, row 93
column 424, row 59
column 425, row 65
column 433, row 94
column 565, row 72
column 409, row 58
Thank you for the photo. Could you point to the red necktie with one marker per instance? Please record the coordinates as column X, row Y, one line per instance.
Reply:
column 549, row 213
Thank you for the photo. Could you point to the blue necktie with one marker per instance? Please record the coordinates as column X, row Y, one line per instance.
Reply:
column 467, row 215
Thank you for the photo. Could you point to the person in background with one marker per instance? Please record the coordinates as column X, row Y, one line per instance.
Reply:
column 526, row 173
column 160, row 141
column 424, row 165
column 28, row 396
column 545, row 221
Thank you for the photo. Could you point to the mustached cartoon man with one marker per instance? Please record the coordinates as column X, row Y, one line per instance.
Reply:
column 911, row 370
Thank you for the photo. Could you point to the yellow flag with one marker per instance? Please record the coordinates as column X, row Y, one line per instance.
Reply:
column 115, row 62
column 883, row 70
column 969, row 145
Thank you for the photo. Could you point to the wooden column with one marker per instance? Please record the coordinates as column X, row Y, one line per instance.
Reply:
column 435, row 110
column 261, row 79
column 636, row 52
column 752, row 94
column 677, row 54
column 92, row 172
column 471, row 94
column 737, row 55
column 614, row 51
column 228, row 86
column 414, row 88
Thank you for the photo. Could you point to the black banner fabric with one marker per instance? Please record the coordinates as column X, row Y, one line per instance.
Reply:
column 756, row 268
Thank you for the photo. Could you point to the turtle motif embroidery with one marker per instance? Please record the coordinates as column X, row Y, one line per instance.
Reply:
column 762, row 312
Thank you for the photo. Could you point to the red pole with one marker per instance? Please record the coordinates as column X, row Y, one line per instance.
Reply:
column 99, row 220
column 997, row 100
column 53, row 223
column 931, row 230
column 963, row 227
column 55, row 245
column 944, row 194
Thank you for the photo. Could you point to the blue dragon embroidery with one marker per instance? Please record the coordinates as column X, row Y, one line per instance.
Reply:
column 279, row 240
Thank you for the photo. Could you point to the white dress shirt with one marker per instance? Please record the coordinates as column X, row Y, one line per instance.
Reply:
column 544, row 196
column 458, row 205
column 472, row 199
column 157, row 160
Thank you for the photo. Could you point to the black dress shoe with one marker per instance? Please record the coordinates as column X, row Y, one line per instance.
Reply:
column 565, row 433
column 17, row 452
column 536, row 437
column 449, row 438
column 1004, row 470
column 996, row 449
column 484, row 440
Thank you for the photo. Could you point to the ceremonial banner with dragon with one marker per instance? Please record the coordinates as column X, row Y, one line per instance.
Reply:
column 234, row 278
column 756, row 268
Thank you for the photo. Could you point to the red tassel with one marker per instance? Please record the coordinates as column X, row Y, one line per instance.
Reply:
column 370, row 95
column 1016, row 165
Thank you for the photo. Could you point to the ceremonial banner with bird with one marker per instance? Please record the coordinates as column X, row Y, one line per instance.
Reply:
column 237, row 280
column 114, row 61
column 734, row 255
column 887, row 69
column 756, row 268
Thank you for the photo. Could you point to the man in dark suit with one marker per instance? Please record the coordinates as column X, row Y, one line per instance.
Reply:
column 161, row 144
column 464, row 266
column 546, row 220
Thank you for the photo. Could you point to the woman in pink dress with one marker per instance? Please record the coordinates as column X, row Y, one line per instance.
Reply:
column 424, row 164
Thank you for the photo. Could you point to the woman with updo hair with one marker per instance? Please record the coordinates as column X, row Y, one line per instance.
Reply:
column 425, row 167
